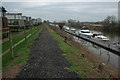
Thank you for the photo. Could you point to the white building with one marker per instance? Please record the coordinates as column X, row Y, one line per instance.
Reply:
column 14, row 19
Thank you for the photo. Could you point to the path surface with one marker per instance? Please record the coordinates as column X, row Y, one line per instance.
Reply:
column 46, row 60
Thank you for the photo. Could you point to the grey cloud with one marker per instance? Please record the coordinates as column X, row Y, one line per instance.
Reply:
column 83, row 11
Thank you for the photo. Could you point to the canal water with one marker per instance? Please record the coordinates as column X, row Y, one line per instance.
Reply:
column 106, row 56
column 112, row 36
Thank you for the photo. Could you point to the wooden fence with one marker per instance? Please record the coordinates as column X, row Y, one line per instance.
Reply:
column 26, row 36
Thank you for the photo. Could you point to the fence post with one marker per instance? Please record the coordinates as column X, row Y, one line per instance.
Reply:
column 31, row 30
column 11, row 47
column 25, row 34
column 65, row 40
column 108, row 57
column 100, row 51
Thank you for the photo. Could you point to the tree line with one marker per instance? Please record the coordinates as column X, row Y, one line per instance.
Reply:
column 111, row 23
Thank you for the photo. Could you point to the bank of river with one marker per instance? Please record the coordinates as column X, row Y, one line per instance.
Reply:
column 106, row 56
column 89, row 51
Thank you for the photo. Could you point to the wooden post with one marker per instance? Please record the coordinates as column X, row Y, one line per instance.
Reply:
column 11, row 48
column 100, row 52
column 25, row 34
column 65, row 40
column 82, row 55
column 108, row 45
column 31, row 29
column 100, row 67
column 108, row 57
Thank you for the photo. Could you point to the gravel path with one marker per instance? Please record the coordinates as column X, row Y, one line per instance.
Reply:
column 46, row 60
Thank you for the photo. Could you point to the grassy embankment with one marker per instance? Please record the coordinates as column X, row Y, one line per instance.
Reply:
column 81, row 65
column 21, row 51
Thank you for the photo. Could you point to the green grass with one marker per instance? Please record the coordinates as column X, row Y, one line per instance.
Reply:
column 21, row 51
column 20, row 56
column 5, row 46
column 82, row 66
column 63, row 46
column 14, row 34
column 66, row 48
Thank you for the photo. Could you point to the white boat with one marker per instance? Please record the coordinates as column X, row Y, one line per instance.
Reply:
column 77, row 32
column 51, row 24
column 85, row 32
column 100, row 37
column 57, row 26
column 117, row 45
column 66, row 28
column 72, row 30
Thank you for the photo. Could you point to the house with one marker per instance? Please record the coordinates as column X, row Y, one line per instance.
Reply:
column 28, row 22
column 15, row 22
column 34, row 22
column 4, row 29
column 24, row 18
column 37, row 21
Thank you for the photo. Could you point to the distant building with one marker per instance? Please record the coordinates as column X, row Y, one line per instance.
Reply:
column 3, row 23
column 28, row 21
column 33, row 21
column 3, row 17
column 24, row 20
column 14, row 19
column 119, row 12
column 37, row 21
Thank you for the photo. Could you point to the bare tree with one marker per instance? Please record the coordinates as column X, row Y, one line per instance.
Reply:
column 110, row 24
column 74, row 23
column 110, row 21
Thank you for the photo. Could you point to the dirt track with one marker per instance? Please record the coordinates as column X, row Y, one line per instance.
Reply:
column 46, row 60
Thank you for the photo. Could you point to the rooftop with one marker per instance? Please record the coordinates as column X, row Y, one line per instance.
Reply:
column 3, row 9
column 13, row 13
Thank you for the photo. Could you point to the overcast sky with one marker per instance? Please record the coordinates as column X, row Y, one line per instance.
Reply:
column 82, row 11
